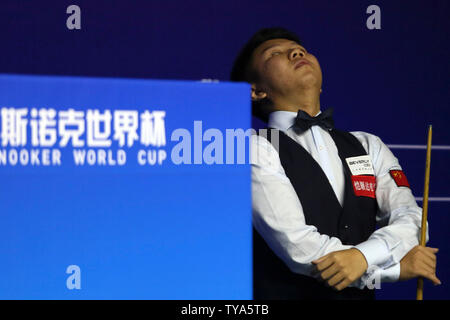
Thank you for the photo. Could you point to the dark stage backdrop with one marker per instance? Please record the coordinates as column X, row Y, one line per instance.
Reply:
column 392, row 81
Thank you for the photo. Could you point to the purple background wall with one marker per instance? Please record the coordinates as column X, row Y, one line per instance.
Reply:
column 392, row 82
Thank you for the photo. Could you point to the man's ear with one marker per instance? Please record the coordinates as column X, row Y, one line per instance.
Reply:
column 257, row 94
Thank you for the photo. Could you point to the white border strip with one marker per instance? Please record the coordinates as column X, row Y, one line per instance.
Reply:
column 417, row 146
column 443, row 199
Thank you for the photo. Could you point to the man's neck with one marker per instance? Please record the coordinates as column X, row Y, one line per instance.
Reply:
column 307, row 101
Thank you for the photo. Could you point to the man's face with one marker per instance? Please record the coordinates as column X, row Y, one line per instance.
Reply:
column 284, row 67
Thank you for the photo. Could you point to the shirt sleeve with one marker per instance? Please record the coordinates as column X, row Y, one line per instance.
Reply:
column 278, row 214
column 399, row 216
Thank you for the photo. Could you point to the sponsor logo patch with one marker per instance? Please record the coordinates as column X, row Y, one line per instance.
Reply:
column 360, row 165
column 364, row 186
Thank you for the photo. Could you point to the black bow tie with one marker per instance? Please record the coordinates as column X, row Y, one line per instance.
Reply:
column 304, row 121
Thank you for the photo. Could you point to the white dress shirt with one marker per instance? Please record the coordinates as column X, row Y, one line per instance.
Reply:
column 278, row 214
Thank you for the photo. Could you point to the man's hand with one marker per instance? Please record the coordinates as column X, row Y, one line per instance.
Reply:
column 420, row 261
column 340, row 268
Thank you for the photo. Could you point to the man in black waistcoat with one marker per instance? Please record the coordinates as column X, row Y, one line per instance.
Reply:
column 318, row 192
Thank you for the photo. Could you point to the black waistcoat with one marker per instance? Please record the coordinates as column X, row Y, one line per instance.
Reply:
column 352, row 224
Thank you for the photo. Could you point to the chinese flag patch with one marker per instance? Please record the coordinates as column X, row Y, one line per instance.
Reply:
column 399, row 178
column 364, row 186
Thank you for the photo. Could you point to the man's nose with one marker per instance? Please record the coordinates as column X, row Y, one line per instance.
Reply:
column 296, row 53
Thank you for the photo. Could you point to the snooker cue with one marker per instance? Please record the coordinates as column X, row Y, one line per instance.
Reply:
column 419, row 295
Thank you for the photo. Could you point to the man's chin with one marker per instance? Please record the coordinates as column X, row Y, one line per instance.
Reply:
column 309, row 82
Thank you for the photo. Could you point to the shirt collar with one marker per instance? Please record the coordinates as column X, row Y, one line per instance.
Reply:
column 283, row 120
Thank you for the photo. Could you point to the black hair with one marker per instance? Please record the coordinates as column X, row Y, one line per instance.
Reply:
column 242, row 70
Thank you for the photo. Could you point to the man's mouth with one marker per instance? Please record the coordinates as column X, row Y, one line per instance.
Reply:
column 300, row 63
